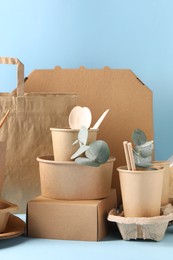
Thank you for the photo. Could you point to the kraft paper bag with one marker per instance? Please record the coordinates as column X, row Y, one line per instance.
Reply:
column 2, row 163
column 27, row 135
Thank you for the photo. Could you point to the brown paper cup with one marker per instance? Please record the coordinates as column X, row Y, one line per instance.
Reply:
column 63, row 139
column 166, row 180
column 2, row 163
column 141, row 191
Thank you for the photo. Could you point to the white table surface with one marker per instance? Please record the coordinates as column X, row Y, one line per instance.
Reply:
column 112, row 247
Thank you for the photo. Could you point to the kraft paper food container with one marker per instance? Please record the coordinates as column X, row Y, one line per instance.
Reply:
column 5, row 209
column 141, row 191
column 71, row 181
column 63, row 139
column 166, row 180
column 171, row 182
column 84, row 220
column 152, row 228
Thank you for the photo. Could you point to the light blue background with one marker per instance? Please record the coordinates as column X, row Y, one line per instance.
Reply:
column 94, row 33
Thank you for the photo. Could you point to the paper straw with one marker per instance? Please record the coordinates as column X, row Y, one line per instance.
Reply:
column 127, row 155
column 132, row 161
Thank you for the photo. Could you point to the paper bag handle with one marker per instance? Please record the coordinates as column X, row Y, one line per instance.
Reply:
column 20, row 73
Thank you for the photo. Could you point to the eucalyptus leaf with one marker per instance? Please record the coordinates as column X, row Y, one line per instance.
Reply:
column 86, row 161
column 141, row 161
column 145, row 150
column 80, row 151
column 83, row 135
column 90, row 154
column 139, row 137
column 98, row 151
column 147, row 144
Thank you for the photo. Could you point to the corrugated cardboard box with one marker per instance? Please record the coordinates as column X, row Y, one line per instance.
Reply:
column 71, row 220
column 120, row 90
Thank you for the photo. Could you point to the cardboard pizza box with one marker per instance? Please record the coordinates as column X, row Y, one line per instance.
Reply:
column 130, row 102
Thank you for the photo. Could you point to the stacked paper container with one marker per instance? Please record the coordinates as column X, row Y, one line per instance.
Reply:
column 75, row 199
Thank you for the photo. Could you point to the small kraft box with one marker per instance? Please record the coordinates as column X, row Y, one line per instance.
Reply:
column 84, row 220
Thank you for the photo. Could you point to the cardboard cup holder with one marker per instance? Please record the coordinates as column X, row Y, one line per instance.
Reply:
column 152, row 228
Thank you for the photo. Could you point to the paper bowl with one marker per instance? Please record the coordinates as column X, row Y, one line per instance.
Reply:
column 5, row 209
column 70, row 181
